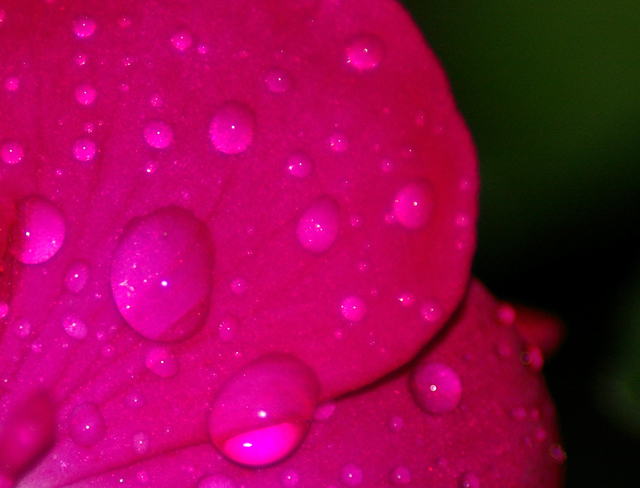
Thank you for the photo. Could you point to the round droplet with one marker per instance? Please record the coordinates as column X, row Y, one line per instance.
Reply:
column 140, row 443
column 532, row 357
column 299, row 165
column 396, row 423
column 142, row 477
column 436, row 387
column 400, row 476
column 351, row 475
column 124, row 21
column 238, row 286
column 39, row 232
column 232, row 128
column 11, row 152
column 161, row 274
column 413, row 205
column 84, row 27
column 468, row 480
column 12, row 83
column 364, row 52
column 431, row 311
column 353, row 309
column 325, row 410
column 406, row 299
column 160, row 361
column 76, row 276
column 216, row 481
column 289, row 478
column 181, row 41
column 278, row 81
column 85, row 94
column 21, row 328
column 84, row 149
column 86, row 425
column 74, row 326
column 557, row 453
column 262, row 413
column 318, row 226
column 158, row 134
column 156, row 100
column 338, row 142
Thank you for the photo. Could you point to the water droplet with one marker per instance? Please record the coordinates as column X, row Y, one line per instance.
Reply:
column 216, row 481
column 325, row 410
column 396, row 423
column 353, row 309
column 262, row 413
column 338, row 142
column 413, row 205
column 21, row 328
column 227, row 329
column 463, row 220
column 203, row 49
column 80, row 59
column 85, row 94
column 134, row 400
column 161, row 362
column 407, row 299
column 4, row 310
column 39, row 232
column 468, row 480
column 506, row 314
column 140, row 443
column 239, row 286
column 436, row 387
column 74, row 326
column 156, row 100
column 318, row 227
column 158, row 134
column 161, row 274
column 84, row 149
column 557, row 453
column 89, row 127
column 84, row 27
column 289, row 478
column 181, row 41
column 11, row 152
column 142, row 477
column 76, row 276
column 532, row 357
column 431, row 311
column 299, row 165
column 364, row 52
column 232, row 128
column 518, row 413
column 12, row 83
column 400, row 476
column 351, row 475
column 86, row 425
column 387, row 166
column 124, row 21
column 278, row 81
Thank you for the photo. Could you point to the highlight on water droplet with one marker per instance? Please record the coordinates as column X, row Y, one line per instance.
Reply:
column 12, row 83
column 84, row 27
column 160, row 361
column 431, row 311
column 318, row 227
column 351, row 475
column 435, row 387
column 85, row 94
column 4, row 310
column 232, row 127
column 325, row 410
column 84, row 149
column 338, row 142
column 299, row 165
column 353, row 308
column 289, row 478
column 74, row 326
column 181, row 41
column 140, row 443
column 86, row 424
column 400, row 476
column 39, row 232
column 413, row 205
column 216, row 481
column 364, row 52
column 11, row 152
column 158, row 134
column 162, row 274
column 468, row 480
column 396, row 423
column 76, row 276
column 278, row 81
column 261, row 414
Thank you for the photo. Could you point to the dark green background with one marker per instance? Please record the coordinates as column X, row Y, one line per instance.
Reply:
column 551, row 92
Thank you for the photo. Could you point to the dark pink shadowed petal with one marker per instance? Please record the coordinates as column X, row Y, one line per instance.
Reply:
column 540, row 328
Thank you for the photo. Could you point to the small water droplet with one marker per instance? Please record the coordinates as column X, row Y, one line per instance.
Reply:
column 396, row 423
column 289, row 478
column 85, row 94
column 161, row 274
column 400, row 476
column 325, row 410
column 413, row 205
column 338, row 142
column 239, row 286
column 364, row 52
column 436, row 387
column 387, row 165
column 158, row 134
column 39, row 232
column 351, row 475
column 89, row 127
column 353, row 309
column 203, row 49
column 407, row 299
column 156, row 100
column 431, row 311
column 4, row 310
column 262, row 413
column 84, row 149
column 468, row 480
column 181, row 41
column 76, row 276
column 140, row 443
column 532, row 357
column 160, row 361
column 84, row 27
column 11, row 152
column 557, row 453
column 86, row 425
column 134, row 400
column 506, row 314
column 318, row 227
column 232, row 128
column 142, row 477
column 278, row 81
column 80, row 59
column 216, row 481
column 227, row 329
column 107, row 351
column 21, row 328
column 518, row 413
column 299, row 165
column 12, row 83
column 124, row 21
column 463, row 220
column 74, row 326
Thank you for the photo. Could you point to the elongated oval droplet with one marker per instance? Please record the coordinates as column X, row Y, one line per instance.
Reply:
column 318, row 226
column 232, row 128
column 436, row 387
column 262, row 413
column 86, row 425
column 39, row 232
column 413, row 205
column 161, row 274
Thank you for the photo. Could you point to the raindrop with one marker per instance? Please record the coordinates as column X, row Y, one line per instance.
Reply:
column 74, row 326
column 85, row 94
column 232, row 128
column 532, row 357
column 400, row 476
column 318, row 227
column 387, row 165
column 413, row 205
column 351, row 475
column 325, row 410
column 158, row 134
column 84, row 27
column 140, row 443
column 76, row 276
column 262, row 413
column 12, row 83
column 227, row 329
column 39, row 232
column 364, row 52
column 468, row 480
column 338, row 142
column 11, row 152
column 396, row 423
column 407, row 299
column 160, row 361
column 289, row 478
column 22, row 328
column 299, row 165
column 216, row 481
column 278, row 81
column 161, row 274
column 84, row 149
column 86, row 425
column 353, row 309
column 436, row 387
column 181, row 41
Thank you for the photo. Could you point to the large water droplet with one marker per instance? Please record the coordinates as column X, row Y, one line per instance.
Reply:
column 85, row 94
column 39, row 231
column 86, row 425
column 413, row 205
column 262, row 413
column 161, row 274
column 278, row 81
column 400, row 476
column 318, row 226
column 299, row 165
column 436, row 387
column 84, row 149
column 158, row 134
column 232, row 128
column 161, row 361
column 84, row 27
column 74, row 326
column 353, row 309
column 11, row 152
column 364, row 52
column 76, row 276
column 351, row 475
column 216, row 481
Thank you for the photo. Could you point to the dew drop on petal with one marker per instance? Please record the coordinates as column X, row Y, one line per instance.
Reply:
column 216, row 481
column 324, row 410
column 557, row 453
column 80, row 59
column 140, row 443
column 413, row 205
column 39, row 232
column 160, row 361
column 351, row 475
column 396, row 423
column 238, row 286
column 506, row 314
column 181, row 41
column 400, row 476
column 468, row 480
column 161, row 274
column 289, row 478
column 353, row 309
column 76, row 276
column 436, row 387
column 364, row 52
column 431, row 311
column 232, row 128
column 84, row 27
column 299, row 165
column 86, row 424
column 12, row 83
column 158, row 134
column 262, row 412
column 156, row 100
column 338, row 142
column 227, row 329
column 4, row 309
column 21, row 328
column 318, row 227
column 84, row 149
column 11, row 152
column 142, row 477
column 74, row 326
column 85, row 94
column 278, row 81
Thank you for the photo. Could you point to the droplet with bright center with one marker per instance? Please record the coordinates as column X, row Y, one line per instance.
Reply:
column 318, row 227
column 158, row 134
column 413, row 205
column 436, row 387
column 232, row 128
